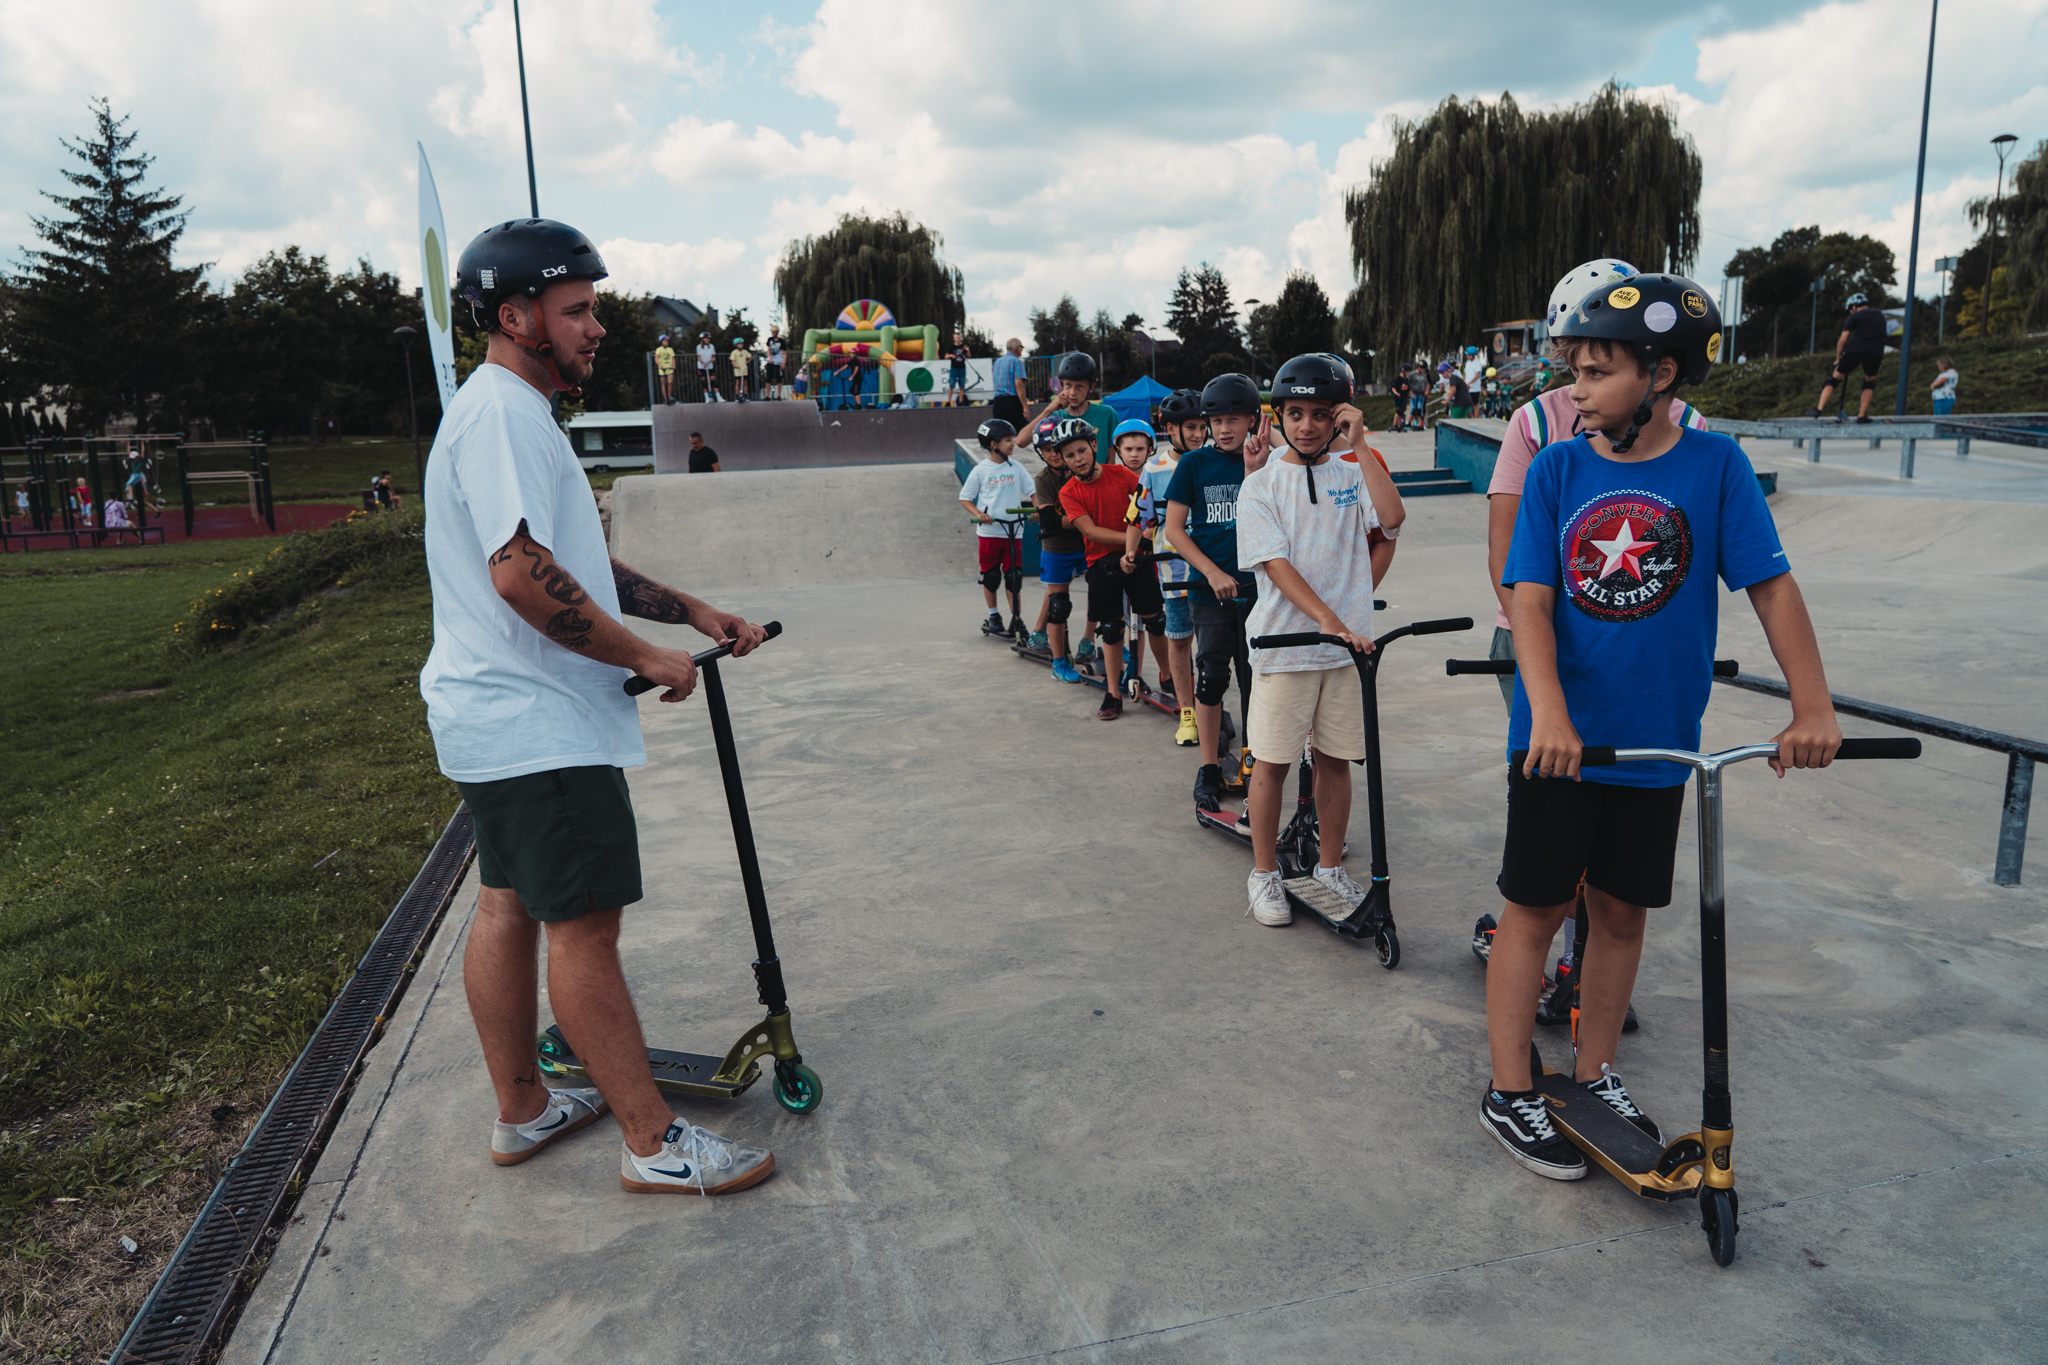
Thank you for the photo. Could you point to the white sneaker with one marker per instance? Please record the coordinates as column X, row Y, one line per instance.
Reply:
column 568, row 1109
column 1269, row 900
column 1339, row 881
column 694, row 1160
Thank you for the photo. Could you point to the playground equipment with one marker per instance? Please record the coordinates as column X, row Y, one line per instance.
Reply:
column 851, row 363
column 255, row 477
column 70, row 480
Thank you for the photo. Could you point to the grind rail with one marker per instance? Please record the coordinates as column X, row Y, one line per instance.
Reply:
column 2021, row 756
column 186, row 1314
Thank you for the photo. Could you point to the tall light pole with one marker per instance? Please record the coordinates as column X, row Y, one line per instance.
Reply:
column 1919, row 179
column 2003, row 143
column 519, row 46
column 1946, row 265
column 412, row 412
column 1251, row 306
column 1813, row 317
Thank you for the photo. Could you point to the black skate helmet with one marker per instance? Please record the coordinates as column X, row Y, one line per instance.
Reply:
column 1230, row 393
column 1317, row 377
column 1182, row 405
column 522, row 258
column 993, row 430
column 1076, row 365
column 1655, row 316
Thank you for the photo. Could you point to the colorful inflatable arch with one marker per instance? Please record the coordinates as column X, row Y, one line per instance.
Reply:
column 855, row 357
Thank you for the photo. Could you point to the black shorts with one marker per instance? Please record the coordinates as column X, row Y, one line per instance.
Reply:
column 772, row 372
column 1109, row 587
column 1869, row 360
column 1623, row 839
column 1010, row 408
column 564, row 840
column 1219, row 631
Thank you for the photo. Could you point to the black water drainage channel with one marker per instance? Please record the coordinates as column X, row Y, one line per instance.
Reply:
column 184, row 1316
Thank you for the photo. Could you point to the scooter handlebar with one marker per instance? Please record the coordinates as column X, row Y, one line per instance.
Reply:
column 636, row 684
column 1723, row 668
column 1309, row 637
column 1604, row 756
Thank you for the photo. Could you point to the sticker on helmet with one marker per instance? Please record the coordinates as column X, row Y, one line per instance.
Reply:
column 1625, row 297
column 1714, row 349
column 1660, row 317
column 1695, row 302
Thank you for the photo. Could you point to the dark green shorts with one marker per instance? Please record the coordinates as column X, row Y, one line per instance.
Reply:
column 564, row 840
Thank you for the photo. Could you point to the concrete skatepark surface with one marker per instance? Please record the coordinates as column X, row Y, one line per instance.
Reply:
column 1078, row 1107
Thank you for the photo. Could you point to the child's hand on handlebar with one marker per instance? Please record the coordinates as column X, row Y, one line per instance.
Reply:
column 983, row 517
column 1334, row 625
column 1222, row 584
column 1808, row 742
column 1554, row 748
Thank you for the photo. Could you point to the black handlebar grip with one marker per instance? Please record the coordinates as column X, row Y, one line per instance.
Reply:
column 1726, row 668
column 1879, row 748
column 1441, row 627
column 1378, row 605
column 1497, row 667
column 636, row 684
column 1597, row 756
column 1290, row 641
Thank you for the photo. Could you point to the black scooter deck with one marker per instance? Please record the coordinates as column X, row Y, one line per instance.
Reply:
column 1310, row 897
column 1623, row 1149
column 680, row 1073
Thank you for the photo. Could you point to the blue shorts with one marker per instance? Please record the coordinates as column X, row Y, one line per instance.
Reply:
column 1054, row 567
column 1180, row 618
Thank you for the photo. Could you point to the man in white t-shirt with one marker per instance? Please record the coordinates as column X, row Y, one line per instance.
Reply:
column 524, row 698
column 1304, row 526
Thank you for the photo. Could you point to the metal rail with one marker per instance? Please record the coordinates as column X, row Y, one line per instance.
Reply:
column 2013, row 428
column 2021, row 756
column 195, row 1298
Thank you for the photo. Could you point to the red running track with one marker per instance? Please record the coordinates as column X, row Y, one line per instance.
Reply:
column 211, row 523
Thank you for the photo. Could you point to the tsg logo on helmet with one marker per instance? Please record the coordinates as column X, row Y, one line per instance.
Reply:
column 522, row 258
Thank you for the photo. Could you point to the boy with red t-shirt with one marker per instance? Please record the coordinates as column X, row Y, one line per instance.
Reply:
column 1100, row 501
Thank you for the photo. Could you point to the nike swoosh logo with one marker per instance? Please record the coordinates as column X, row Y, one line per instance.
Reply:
column 683, row 1174
column 561, row 1118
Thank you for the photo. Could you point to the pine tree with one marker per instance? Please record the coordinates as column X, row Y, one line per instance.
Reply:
column 106, row 317
column 1201, row 313
column 1300, row 322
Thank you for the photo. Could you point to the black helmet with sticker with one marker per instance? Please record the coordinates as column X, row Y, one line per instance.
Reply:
column 1655, row 316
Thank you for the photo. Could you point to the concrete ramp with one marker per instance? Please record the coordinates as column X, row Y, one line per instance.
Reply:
column 796, row 434
column 795, row 528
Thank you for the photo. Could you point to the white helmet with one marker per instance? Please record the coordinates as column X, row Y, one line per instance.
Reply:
column 1581, row 281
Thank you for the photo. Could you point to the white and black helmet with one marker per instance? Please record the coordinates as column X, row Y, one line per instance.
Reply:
column 1580, row 281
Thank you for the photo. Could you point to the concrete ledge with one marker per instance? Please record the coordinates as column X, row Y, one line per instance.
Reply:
column 795, row 434
column 795, row 527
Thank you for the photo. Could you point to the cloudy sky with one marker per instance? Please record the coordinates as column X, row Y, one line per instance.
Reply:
column 1094, row 151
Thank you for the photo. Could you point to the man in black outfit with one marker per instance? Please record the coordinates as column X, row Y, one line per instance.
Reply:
column 1861, row 344
column 703, row 459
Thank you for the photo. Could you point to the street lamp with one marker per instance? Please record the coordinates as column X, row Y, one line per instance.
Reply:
column 2003, row 143
column 1946, row 265
column 1250, row 307
column 412, row 411
column 1813, row 319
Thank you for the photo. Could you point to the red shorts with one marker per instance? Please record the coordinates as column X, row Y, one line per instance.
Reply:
column 1000, row 552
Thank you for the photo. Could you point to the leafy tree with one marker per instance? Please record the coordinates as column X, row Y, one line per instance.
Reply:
column 2005, row 308
column 1779, row 312
column 1297, row 322
column 892, row 260
column 1057, row 330
column 1201, row 313
column 2022, row 246
column 619, row 383
column 1480, row 207
column 104, row 317
column 979, row 342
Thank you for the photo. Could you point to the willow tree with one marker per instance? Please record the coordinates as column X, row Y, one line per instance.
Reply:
column 2022, row 228
column 1481, row 207
column 891, row 260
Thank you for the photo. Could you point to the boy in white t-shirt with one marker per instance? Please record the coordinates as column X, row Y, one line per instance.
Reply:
column 991, row 493
column 1304, row 522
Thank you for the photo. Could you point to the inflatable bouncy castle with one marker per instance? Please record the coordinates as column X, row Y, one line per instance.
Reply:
column 852, row 362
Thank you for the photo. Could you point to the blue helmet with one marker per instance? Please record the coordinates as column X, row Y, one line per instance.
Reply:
column 1137, row 426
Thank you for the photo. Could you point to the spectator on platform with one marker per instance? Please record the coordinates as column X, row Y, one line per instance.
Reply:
column 773, row 377
column 742, row 362
column 665, row 369
column 707, row 363
column 956, row 370
column 1009, row 384
column 703, row 459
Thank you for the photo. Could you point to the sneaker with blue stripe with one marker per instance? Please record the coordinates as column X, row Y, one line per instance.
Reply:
column 693, row 1160
column 569, row 1109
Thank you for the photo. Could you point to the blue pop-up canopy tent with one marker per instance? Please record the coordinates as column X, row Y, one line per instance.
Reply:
column 1138, row 400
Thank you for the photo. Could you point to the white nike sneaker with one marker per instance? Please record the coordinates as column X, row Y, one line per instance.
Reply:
column 1339, row 881
column 694, row 1160
column 1269, row 900
column 568, row 1109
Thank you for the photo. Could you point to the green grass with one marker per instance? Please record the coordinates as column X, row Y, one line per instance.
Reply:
column 339, row 471
column 196, row 845
column 1999, row 375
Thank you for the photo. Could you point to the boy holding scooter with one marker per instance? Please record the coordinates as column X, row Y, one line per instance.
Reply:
column 1186, row 430
column 1099, row 501
column 1304, row 526
column 1059, row 556
column 990, row 492
column 1619, row 537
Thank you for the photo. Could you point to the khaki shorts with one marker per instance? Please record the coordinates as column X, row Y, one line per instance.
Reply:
column 1287, row 706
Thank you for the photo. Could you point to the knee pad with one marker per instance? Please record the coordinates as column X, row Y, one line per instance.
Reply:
column 1212, row 680
column 1110, row 632
column 1061, row 607
column 989, row 579
column 1869, row 382
column 1013, row 579
column 1154, row 624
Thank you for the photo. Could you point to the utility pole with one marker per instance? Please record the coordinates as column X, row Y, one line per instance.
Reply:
column 1946, row 265
column 2003, row 143
column 1813, row 318
column 525, row 117
column 412, row 412
column 1919, row 179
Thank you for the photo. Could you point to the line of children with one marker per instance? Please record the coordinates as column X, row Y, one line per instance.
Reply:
column 1074, row 381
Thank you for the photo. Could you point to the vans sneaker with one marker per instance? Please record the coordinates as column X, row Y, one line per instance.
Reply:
column 1522, row 1125
column 1339, row 881
column 1610, row 1092
column 568, row 1109
column 694, row 1160
column 1269, row 900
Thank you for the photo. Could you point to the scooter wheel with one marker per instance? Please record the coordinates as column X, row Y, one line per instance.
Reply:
column 1388, row 945
column 1717, row 1218
column 797, row 1088
column 550, row 1056
column 1482, row 937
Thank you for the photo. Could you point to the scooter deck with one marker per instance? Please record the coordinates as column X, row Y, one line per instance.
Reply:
column 679, row 1073
column 1234, row 823
column 1310, row 897
column 1620, row 1147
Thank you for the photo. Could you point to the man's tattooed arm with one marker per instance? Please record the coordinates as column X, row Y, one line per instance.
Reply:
column 641, row 596
column 548, row 598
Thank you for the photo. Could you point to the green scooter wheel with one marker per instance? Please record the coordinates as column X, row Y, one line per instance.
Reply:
column 797, row 1088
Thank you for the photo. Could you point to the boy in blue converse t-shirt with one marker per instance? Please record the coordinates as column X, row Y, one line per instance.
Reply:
column 1620, row 536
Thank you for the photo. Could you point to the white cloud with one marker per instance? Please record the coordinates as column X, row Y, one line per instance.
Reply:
column 676, row 268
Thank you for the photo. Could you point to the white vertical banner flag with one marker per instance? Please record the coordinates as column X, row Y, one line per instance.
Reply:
column 434, row 273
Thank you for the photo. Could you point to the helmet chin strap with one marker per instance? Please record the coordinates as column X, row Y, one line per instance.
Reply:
column 1643, row 412
column 545, row 350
